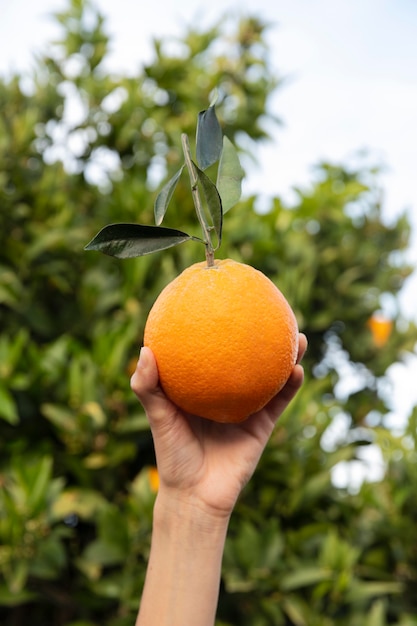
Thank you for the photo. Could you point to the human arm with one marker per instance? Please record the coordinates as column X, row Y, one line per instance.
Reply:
column 203, row 466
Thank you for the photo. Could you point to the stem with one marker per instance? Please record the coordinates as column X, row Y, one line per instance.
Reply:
column 197, row 200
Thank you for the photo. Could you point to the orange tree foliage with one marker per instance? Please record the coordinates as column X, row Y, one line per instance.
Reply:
column 76, row 457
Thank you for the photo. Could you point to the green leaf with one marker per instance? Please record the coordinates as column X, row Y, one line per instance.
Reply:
column 209, row 140
column 50, row 558
column 8, row 409
column 61, row 417
column 41, row 477
column 229, row 176
column 18, row 576
column 86, row 503
column 295, row 608
column 112, row 545
column 376, row 616
column 103, row 553
column 126, row 241
column 364, row 590
column 164, row 197
column 213, row 202
column 304, row 577
column 15, row 598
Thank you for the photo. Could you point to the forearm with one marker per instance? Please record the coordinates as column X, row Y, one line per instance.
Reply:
column 183, row 575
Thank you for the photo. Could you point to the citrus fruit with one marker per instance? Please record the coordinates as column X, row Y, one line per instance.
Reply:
column 381, row 328
column 225, row 340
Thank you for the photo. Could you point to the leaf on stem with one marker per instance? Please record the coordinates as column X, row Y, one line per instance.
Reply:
column 126, row 241
column 209, row 139
column 213, row 202
column 164, row 197
column 229, row 176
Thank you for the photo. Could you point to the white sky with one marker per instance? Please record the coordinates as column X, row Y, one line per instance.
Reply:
column 352, row 69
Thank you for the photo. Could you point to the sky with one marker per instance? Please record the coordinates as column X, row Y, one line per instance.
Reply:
column 350, row 69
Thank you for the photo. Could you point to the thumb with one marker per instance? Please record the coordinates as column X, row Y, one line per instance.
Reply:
column 145, row 384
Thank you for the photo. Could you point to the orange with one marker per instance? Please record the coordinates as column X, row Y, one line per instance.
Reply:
column 381, row 328
column 225, row 340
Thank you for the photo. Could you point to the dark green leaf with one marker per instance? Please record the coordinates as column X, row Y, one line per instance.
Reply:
column 164, row 197
column 209, row 141
column 229, row 176
column 126, row 241
column 213, row 202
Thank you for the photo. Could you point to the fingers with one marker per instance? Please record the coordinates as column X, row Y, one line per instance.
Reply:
column 278, row 404
column 145, row 384
column 302, row 346
column 293, row 384
column 296, row 378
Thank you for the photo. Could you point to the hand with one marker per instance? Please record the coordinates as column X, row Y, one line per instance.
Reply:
column 201, row 462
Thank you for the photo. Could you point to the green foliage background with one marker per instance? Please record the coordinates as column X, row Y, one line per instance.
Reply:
column 75, row 451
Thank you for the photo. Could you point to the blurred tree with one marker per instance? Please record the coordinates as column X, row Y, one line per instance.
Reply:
column 80, row 148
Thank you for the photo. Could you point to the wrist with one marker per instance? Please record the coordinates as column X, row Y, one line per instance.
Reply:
column 176, row 513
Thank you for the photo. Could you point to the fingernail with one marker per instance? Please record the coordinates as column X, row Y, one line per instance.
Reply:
column 143, row 359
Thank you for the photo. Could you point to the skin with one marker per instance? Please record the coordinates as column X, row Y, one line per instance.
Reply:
column 203, row 466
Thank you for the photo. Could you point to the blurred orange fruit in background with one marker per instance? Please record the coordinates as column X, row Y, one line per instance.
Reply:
column 381, row 328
